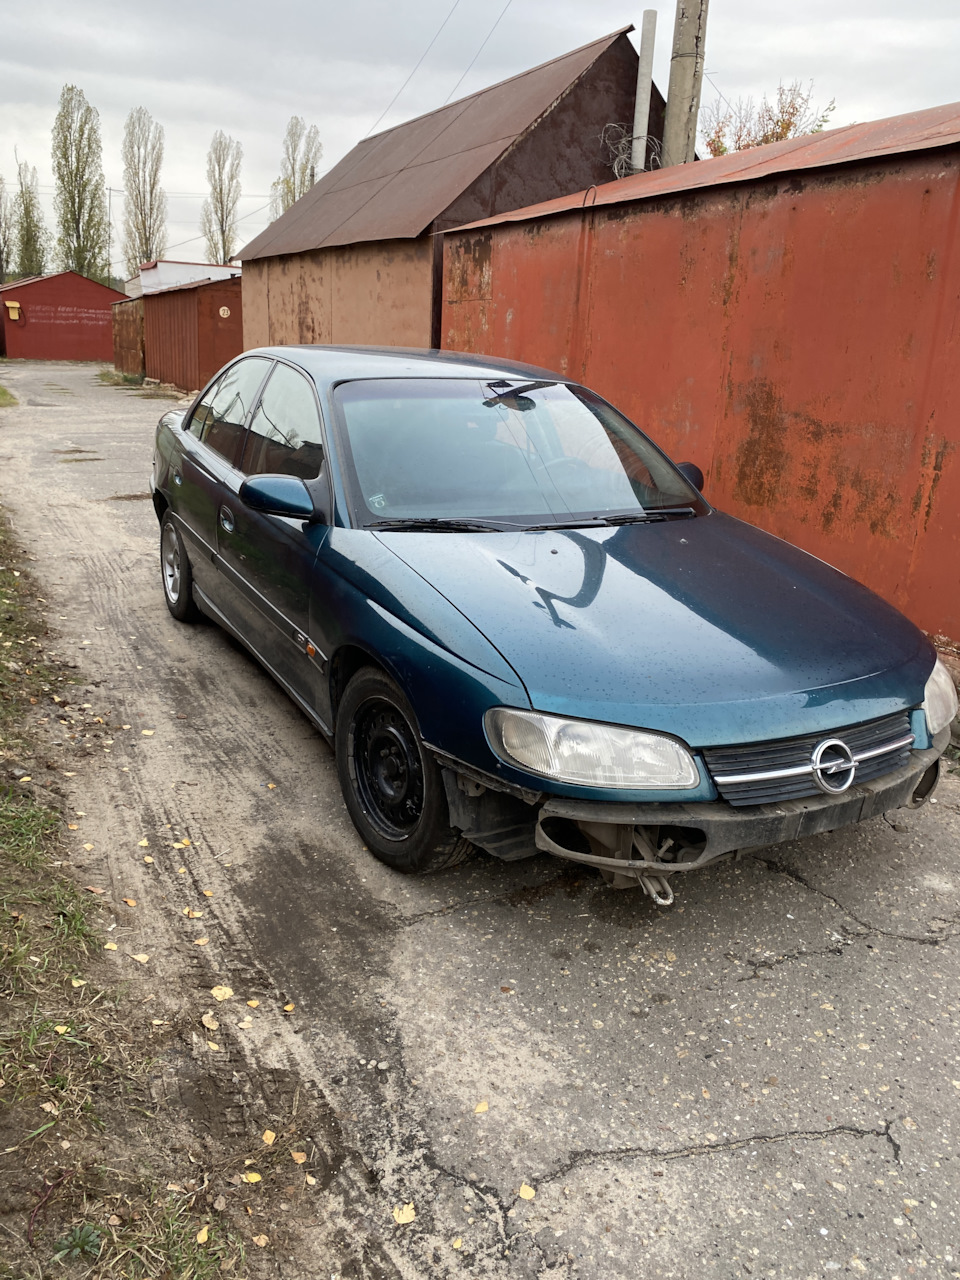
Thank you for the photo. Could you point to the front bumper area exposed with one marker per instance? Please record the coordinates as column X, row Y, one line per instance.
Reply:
column 646, row 844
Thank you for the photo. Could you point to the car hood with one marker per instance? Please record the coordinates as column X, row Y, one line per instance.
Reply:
column 705, row 628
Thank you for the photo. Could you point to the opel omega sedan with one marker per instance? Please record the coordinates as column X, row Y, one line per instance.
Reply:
column 522, row 627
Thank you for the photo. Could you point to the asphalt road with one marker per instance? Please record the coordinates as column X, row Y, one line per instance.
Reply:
column 763, row 1080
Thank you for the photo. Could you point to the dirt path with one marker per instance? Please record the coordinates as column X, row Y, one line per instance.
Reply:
column 764, row 1080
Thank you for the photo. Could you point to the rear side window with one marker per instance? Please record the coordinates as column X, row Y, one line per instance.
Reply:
column 284, row 436
column 220, row 417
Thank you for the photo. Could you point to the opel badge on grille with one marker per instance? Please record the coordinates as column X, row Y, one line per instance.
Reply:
column 833, row 766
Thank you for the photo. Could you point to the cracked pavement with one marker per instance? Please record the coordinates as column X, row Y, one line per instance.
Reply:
column 763, row 1080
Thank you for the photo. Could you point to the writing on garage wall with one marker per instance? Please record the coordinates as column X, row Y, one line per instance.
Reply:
column 789, row 324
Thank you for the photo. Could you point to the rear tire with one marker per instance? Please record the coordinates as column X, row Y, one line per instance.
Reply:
column 176, row 573
column 391, row 785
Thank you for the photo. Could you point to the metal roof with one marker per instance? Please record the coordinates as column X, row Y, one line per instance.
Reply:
column 896, row 135
column 393, row 185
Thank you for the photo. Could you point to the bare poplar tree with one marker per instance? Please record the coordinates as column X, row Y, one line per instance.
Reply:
column 30, row 236
column 145, row 202
column 6, row 231
column 218, row 218
column 81, row 199
column 301, row 154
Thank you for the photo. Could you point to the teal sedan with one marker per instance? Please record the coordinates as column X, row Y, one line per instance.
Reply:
column 522, row 628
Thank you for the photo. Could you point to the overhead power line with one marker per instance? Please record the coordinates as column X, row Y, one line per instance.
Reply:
column 478, row 53
column 436, row 37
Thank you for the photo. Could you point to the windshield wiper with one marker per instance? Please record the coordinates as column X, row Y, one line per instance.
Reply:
column 644, row 517
column 441, row 524
column 623, row 517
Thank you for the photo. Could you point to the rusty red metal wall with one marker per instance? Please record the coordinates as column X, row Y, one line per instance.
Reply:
column 187, row 336
column 62, row 317
column 128, row 352
column 798, row 337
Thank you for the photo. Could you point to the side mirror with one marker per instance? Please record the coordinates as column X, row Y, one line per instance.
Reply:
column 691, row 472
column 283, row 496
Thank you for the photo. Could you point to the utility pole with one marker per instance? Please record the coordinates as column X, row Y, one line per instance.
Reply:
column 686, row 78
column 641, row 111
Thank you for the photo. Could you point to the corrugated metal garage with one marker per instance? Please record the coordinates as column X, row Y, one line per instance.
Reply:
column 788, row 317
column 357, row 258
column 191, row 330
column 62, row 316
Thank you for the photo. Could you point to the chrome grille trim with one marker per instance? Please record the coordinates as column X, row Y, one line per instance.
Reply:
column 800, row 770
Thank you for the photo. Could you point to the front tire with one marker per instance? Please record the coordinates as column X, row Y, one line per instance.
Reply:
column 391, row 785
column 176, row 573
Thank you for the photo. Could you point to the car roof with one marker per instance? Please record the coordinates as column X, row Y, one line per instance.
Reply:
column 331, row 364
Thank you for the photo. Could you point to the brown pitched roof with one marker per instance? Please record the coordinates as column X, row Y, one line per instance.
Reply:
column 393, row 185
column 895, row 135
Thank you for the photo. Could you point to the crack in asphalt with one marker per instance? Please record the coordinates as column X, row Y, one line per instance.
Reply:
column 775, row 961
column 772, row 865
column 588, row 1157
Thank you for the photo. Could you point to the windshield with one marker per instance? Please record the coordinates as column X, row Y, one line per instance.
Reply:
column 513, row 453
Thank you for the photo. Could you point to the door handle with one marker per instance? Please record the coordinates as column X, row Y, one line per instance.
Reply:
column 226, row 519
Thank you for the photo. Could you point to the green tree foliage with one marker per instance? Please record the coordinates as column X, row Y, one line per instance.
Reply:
column 218, row 219
column 31, row 239
column 80, row 200
column 736, row 126
column 145, row 201
column 301, row 154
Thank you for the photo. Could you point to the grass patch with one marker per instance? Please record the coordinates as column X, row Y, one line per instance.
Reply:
column 7, row 398
column 114, row 378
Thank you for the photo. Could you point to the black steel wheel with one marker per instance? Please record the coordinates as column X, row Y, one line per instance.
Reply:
column 391, row 785
column 176, row 572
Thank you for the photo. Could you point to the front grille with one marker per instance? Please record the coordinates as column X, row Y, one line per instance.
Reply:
column 787, row 753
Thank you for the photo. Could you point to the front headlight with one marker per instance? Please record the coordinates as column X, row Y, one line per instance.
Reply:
column 939, row 699
column 588, row 754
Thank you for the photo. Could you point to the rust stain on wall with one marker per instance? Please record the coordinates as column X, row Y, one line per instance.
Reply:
column 761, row 458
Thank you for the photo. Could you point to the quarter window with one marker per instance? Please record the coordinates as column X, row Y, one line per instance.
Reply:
column 284, row 436
column 224, row 420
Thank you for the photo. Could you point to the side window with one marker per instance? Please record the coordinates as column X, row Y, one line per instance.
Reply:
column 284, row 437
column 201, row 414
column 236, row 391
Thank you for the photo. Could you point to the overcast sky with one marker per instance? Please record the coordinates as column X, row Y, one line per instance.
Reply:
column 244, row 67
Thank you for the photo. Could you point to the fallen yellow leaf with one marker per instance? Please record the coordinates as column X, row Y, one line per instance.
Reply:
column 181, row 870
column 402, row 1216
column 191, row 914
column 185, row 840
column 93, row 889
column 310, row 1180
column 481, row 1107
column 245, row 1023
column 202, row 1235
column 73, row 826
column 289, row 1008
column 269, row 1137
column 525, row 1192
column 141, row 957
column 61, row 1029
column 255, row 1004
column 458, row 1242
column 78, row 982
column 208, row 893
column 131, row 902
column 26, row 778
column 250, row 1176
column 210, row 1022
column 214, row 1047
column 221, row 993
column 144, row 844
column 200, row 942
column 298, row 1157
column 109, row 946
column 178, row 844
column 88, row 847
column 148, row 860
column 148, row 733
column 271, row 786
column 261, row 1241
